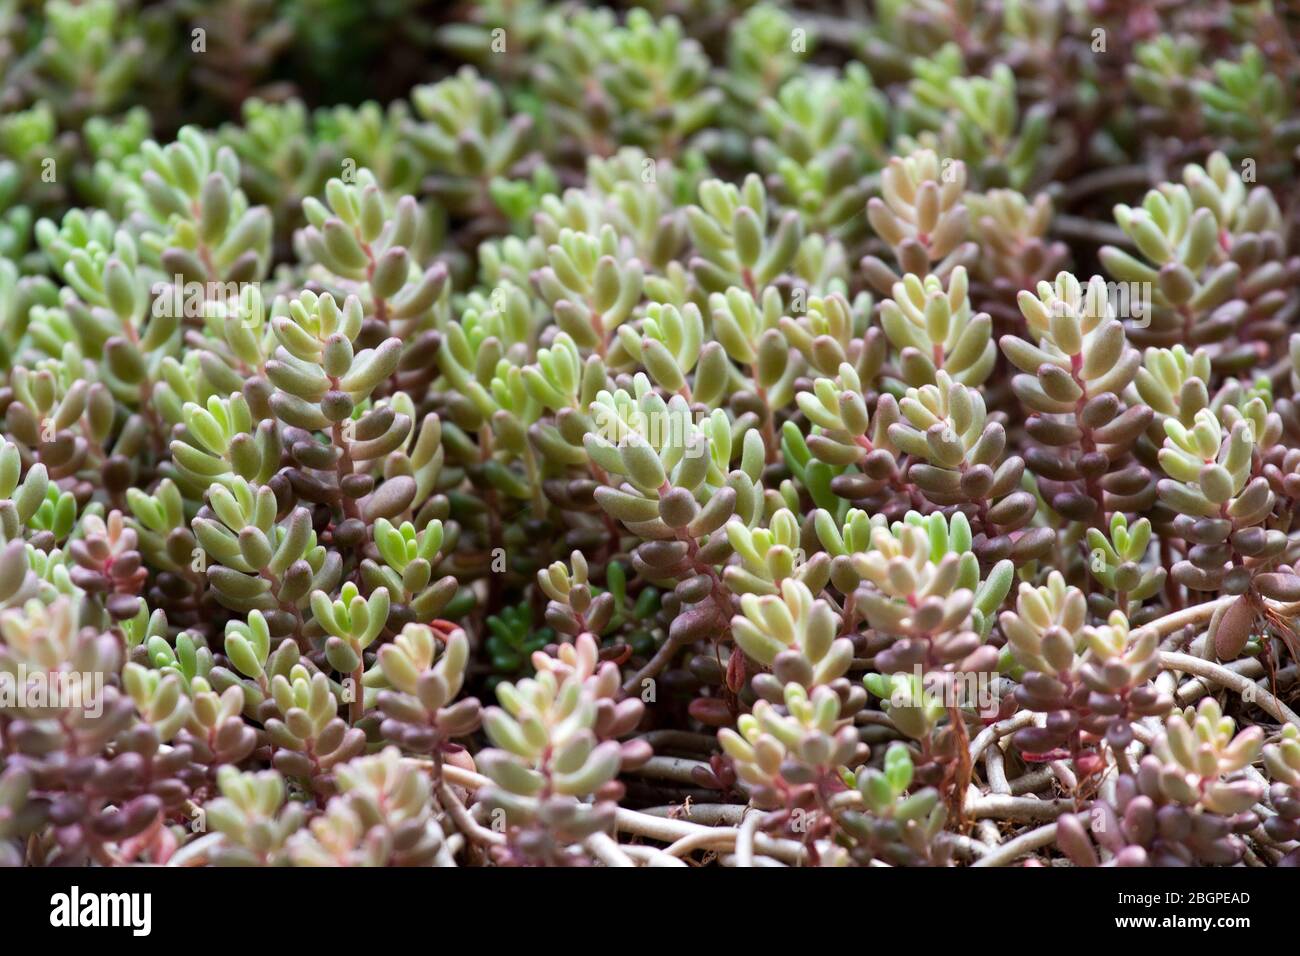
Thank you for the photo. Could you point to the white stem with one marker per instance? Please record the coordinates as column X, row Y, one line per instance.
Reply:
column 1001, row 729
column 676, row 769
column 604, row 848
column 1019, row 809
column 1231, row 680
column 745, row 839
column 1013, row 849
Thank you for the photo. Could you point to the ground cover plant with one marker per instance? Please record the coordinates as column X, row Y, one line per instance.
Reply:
column 697, row 433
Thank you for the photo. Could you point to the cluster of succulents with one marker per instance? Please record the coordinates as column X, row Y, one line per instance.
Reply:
column 1187, row 803
column 842, row 430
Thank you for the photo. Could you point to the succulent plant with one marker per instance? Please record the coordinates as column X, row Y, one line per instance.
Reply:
column 724, row 389
column 1092, row 682
column 1283, row 762
column 252, row 818
column 381, row 817
column 933, row 328
column 921, row 217
column 895, row 826
column 787, row 754
column 1072, row 381
column 554, row 752
column 1186, row 804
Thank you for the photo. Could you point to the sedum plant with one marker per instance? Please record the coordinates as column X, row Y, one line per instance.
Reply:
column 555, row 751
column 723, row 390
column 1187, row 804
